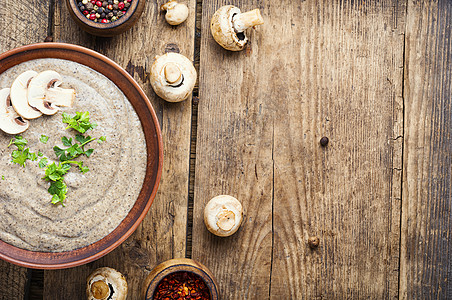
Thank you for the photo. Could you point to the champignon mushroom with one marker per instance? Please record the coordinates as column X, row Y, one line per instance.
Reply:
column 10, row 121
column 223, row 215
column 228, row 26
column 176, row 13
column 173, row 77
column 106, row 283
column 45, row 94
column 19, row 100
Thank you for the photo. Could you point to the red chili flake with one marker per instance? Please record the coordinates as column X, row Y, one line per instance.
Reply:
column 121, row 5
column 92, row 17
column 182, row 285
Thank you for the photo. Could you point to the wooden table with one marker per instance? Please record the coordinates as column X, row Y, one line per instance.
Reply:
column 372, row 76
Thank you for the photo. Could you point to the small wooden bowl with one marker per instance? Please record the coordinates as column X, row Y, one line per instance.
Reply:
column 107, row 29
column 177, row 265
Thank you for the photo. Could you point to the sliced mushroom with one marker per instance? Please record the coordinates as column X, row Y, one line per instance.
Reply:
column 19, row 100
column 10, row 121
column 176, row 13
column 45, row 94
column 173, row 77
column 228, row 26
column 223, row 215
column 106, row 283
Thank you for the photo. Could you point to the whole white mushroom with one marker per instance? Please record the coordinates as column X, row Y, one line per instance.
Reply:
column 223, row 215
column 173, row 77
column 106, row 283
column 176, row 13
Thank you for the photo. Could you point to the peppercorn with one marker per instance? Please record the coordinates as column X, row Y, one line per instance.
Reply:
column 126, row 4
column 103, row 15
column 82, row 8
column 89, row 6
column 85, row 12
column 115, row 1
column 92, row 17
column 115, row 12
column 115, row 6
column 110, row 15
column 121, row 5
column 313, row 242
column 93, row 2
column 324, row 141
column 120, row 14
column 100, row 10
column 104, row 21
column 104, row 4
column 114, row 18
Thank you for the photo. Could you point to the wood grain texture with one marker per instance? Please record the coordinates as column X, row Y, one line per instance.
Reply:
column 30, row 26
column 162, row 234
column 426, row 257
column 315, row 68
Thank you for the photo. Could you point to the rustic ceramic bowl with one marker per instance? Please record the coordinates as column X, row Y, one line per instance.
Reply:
column 149, row 121
column 107, row 29
column 177, row 265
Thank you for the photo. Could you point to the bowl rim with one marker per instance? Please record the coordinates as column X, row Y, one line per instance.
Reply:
column 151, row 128
column 130, row 11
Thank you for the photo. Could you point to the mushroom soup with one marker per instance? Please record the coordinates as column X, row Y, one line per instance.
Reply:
column 98, row 200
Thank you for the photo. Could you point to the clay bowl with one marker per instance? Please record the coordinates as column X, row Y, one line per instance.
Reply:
column 177, row 265
column 107, row 29
column 148, row 118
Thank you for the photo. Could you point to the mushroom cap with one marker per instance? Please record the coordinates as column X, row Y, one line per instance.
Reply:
column 173, row 77
column 10, row 121
column 223, row 31
column 45, row 95
column 102, row 280
column 223, row 215
column 19, row 90
column 176, row 13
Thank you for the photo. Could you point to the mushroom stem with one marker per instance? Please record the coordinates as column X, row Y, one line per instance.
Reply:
column 172, row 73
column 246, row 20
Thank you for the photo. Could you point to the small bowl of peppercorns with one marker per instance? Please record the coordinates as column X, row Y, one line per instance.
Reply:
column 105, row 17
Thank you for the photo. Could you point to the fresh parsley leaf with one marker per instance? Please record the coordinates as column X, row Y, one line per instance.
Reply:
column 19, row 157
column 19, row 142
column 43, row 139
column 43, row 162
column 79, row 122
column 55, row 172
column 101, row 139
column 81, row 139
column 58, row 190
column 89, row 152
column 32, row 156
column 66, row 142
column 3, row 177
column 40, row 154
column 59, row 152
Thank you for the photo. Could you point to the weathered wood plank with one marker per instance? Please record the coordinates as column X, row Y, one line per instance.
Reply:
column 22, row 22
column 314, row 68
column 426, row 256
column 162, row 233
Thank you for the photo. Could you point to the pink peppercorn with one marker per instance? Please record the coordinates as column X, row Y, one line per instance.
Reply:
column 110, row 6
column 92, row 17
column 121, row 5
column 104, row 21
column 85, row 12
column 93, row 2
column 99, row 4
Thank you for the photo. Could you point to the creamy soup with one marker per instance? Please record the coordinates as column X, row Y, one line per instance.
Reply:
column 98, row 200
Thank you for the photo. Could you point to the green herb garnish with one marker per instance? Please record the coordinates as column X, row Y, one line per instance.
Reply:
column 101, row 139
column 3, row 177
column 43, row 139
column 19, row 142
column 79, row 122
column 43, row 162
column 22, row 154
